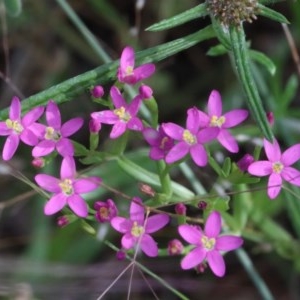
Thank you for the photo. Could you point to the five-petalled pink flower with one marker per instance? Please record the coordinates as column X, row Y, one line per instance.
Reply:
column 208, row 244
column 137, row 229
column 67, row 189
column 278, row 166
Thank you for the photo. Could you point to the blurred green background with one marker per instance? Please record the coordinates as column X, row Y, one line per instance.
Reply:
column 38, row 260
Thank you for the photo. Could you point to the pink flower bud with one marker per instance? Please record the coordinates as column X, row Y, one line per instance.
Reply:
column 63, row 221
column 180, row 209
column 147, row 189
column 97, row 91
column 245, row 162
column 202, row 205
column 270, row 117
column 121, row 255
column 94, row 126
column 175, row 247
column 105, row 211
column 145, row 91
column 38, row 162
column 201, row 268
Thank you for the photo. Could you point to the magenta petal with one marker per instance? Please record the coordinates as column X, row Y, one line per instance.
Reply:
column 213, row 225
column 137, row 210
column 65, row 147
column 85, row 185
column 274, row 185
column 117, row 97
column 216, row 263
column 43, row 148
column 135, row 124
column 291, row 155
column 121, row 224
column 156, row 222
column 144, row 71
column 204, row 119
column 228, row 243
column 228, row 141
column 53, row 115
column 32, row 116
column 151, row 136
column 156, row 153
column 272, row 150
column 78, row 205
column 199, row 155
column 214, row 106
column 207, row 134
column 4, row 130
column 173, row 130
column 260, row 168
column 193, row 120
column 127, row 58
column 71, row 127
column 15, row 109
column 148, row 245
column 118, row 129
column 28, row 137
column 55, row 204
column 105, row 117
column 134, row 106
column 291, row 175
column 128, row 241
column 235, row 117
column 177, row 152
column 48, row 183
column 38, row 130
column 10, row 146
column 68, row 168
column 194, row 258
column 190, row 233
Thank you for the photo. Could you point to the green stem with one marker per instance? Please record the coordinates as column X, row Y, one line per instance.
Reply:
column 164, row 178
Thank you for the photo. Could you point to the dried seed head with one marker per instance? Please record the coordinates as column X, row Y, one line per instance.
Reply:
column 233, row 12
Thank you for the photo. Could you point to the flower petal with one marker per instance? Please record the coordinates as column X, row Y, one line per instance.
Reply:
column 71, row 126
column 134, row 106
column 121, row 224
column 149, row 246
column 272, row 150
column 228, row 243
column 151, row 136
column 53, row 116
column 213, row 225
column 43, row 148
column 207, row 134
column 118, row 129
column 228, row 141
column 28, row 137
column 216, row 263
column 78, row 205
column 10, row 146
column 193, row 120
column 214, row 106
column 173, row 130
column 193, row 258
column 55, row 204
column 156, row 222
column 105, row 117
column 235, row 117
column 291, row 155
column 127, row 58
column 199, row 155
column 190, row 233
column 274, row 185
column 117, row 97
column 291, row 175
column 15, row 109
column 68, row 168
column 204, row 119
column 48, row 183
column 85, row 185
column 137, row 210
column 135, row 124
column 144, row 71
column 4, row 130
column 177, row 152
column 128, row 241
column 260, row 168
column 65, row 147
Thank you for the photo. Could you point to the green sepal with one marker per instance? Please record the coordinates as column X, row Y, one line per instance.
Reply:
column 238, row 177
column 289, row 91
column 13, row 7
column 263, row 60
column 80, row 150
column 87, row 227
column 151, row 104
column 94, row 141
column 226, row 167
column 271, row 14
column 217, row 50
column 191, row 14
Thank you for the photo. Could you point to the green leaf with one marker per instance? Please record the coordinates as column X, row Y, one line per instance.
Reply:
column 217, row 50
column 271, row 14
column 290, row 91
column 226, row 167
column 241, row 57
column 263, row 60
column 215, row 166
column 191, row 14
column 13, row 7
column 238, row 177
column 221, row 32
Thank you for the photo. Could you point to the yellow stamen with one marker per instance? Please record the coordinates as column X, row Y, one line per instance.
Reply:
column 129, row 70
column 188, row 137
column 163, row 142
column 66, row 186
column 277, row 167
column 52, row 134
column 207, row 243
column 217, row 122
column 137, row 230
column 122, row 114
column 14, row 125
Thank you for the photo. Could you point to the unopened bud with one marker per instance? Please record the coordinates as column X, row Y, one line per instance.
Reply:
column 202, row 205
column 175, row 247
column 245, row 162
column 180, row 209
column 145, row 91
column 94, row 126
column 38, row 162
column 63, row 221
column 146, row 189
column 270, row 117
column 97, row 91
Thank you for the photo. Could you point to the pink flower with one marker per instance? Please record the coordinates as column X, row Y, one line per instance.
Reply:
column 216, row 119
column 55, row 136
column 17, row 128
column 191, row 139
column 277, row 166
column 208, row 244
column 158, row 140
column 105, row 211
column 137, row 229
column 67, row 190
column 127, row 73
column 122, row 117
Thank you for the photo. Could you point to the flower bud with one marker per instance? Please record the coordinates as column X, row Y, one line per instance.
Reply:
column 97, row 91
column 270, row 117
column 145, row 91
column 175, row 247
column 105, row 211
column 63, row 221
column 245, row 162
column 94, row 126
column 38, row 162
column 180, row 209
column 146, row 189
column 121, row 255
column 202, row 205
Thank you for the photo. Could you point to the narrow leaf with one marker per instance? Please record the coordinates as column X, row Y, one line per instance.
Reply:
column 263, row 60
column 272, row 14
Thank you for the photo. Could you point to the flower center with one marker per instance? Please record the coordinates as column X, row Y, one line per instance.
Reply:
column 66, row 187
column 104, row 212
column 137, row 230
column 122, row 114
column 188, row 137
column 163, row 142
column 277, row 167
column 217, row 122
column 129, row 70
column 207, row 243
column 14, row 125
column 52, row 134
